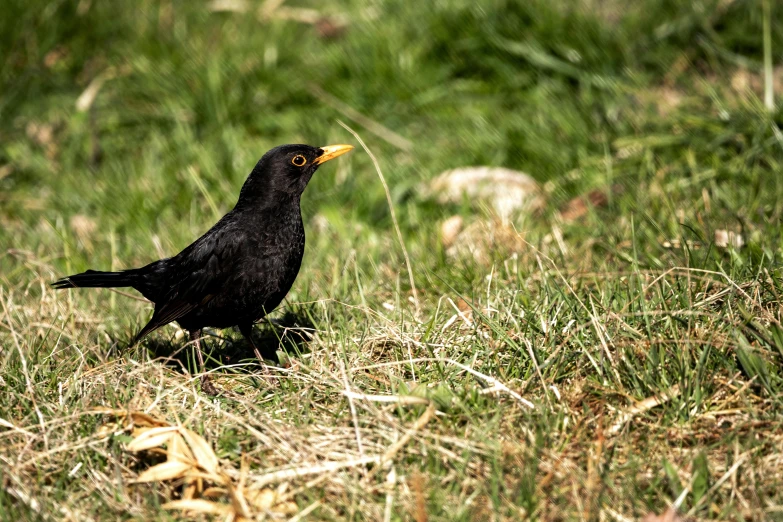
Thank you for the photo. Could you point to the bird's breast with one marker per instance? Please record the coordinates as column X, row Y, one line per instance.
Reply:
column 276, row 257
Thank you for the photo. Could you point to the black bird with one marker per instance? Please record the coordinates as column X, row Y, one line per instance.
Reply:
column 243, row 267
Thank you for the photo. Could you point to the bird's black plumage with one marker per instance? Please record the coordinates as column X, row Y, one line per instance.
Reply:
column 243, row 267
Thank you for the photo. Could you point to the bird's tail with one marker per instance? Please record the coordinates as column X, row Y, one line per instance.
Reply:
column 96, row 279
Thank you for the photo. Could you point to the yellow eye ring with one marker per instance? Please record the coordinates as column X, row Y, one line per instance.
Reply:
column 299, row 160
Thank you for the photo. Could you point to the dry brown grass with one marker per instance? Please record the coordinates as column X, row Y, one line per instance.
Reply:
column 346, row 430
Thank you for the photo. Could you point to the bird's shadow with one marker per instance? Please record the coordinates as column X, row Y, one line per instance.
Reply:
column 289, row 334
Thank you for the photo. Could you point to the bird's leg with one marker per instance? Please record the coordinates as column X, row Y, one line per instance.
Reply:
column 206, row 383
column 247, row 332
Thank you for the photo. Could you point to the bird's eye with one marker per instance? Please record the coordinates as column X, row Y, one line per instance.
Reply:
column 298, row 160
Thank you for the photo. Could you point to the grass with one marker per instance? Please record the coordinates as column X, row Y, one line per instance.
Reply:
column 651, row 356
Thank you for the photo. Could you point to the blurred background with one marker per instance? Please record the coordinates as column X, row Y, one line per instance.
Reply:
column 127, row 128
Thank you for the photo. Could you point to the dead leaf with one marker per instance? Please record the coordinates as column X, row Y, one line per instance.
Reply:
column 151, row 438
column 215, row 492
column 169, row 470
column 579, row 206
column 238, row 501
column 141, row 419
column 202, row 451
column 179, row 450
column 191, row 490
column 200, row 506
column 187, row 454
column 138, row 420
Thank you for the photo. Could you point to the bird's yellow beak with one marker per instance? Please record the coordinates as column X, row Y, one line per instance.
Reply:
column 331, row 152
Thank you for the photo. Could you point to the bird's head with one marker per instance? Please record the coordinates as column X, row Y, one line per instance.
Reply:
column 288, row 169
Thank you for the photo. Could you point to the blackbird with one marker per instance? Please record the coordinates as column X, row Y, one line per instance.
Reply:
column 243, row 267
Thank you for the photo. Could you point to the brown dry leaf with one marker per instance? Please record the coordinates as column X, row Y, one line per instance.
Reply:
column 575, row 209
column 670, row 515
column 139, row 419
column 142, row 419
column 179, row 450
column 200, row 506
column 214, row 492
column 151, row 438
column 168, row 470
column 578, row 207
column 202, row 451
column 238, row 501
column 191, row 489
column 187, row 451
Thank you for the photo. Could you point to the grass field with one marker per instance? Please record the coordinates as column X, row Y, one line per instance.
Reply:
column 609, row 355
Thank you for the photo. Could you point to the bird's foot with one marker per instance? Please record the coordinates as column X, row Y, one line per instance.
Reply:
column 258, row 356
column 207, row 386
column 265, row 374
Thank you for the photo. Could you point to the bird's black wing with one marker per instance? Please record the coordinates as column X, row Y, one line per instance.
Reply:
column 195, row 275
